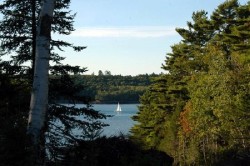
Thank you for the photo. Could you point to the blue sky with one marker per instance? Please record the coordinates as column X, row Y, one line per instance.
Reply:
column 129, row 37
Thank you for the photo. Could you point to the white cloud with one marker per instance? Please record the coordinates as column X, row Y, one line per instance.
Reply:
column 128, row 32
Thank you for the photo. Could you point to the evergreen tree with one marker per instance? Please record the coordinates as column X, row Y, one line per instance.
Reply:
column 14, row 103
column 206, row 89
column 18, row 41
column 18, row 29
column 151, row 116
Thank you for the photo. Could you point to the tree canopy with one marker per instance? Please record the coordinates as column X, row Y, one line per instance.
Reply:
column 199, row 111
column 18, row 41
column 114, row 88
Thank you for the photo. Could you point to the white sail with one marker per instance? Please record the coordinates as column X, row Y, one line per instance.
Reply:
column 118, row 109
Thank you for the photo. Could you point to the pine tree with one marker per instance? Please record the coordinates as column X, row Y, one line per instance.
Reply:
column 18, row 41
column 207, row 91
column 18, row 29
column 14, row 94
column 151, row 116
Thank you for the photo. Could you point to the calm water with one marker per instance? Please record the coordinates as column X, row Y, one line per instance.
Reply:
column 120, row 122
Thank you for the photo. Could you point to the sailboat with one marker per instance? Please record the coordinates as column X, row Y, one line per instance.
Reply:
column 118, row 109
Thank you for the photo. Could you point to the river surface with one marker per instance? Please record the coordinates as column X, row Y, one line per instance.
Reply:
column 120, row 122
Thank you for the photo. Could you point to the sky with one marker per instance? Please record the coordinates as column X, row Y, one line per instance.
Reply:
column 128, row 37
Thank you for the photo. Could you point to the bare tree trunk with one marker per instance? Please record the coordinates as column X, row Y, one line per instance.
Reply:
column 39, row 96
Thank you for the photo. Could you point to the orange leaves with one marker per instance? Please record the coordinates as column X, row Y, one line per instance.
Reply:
column 184, row 120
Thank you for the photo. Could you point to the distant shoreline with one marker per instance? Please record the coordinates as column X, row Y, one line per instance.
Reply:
column 115, row 102
column 101, row 102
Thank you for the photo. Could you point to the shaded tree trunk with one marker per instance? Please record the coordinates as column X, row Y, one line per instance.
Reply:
column 39, row 96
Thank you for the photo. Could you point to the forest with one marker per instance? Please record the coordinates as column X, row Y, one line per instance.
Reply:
column 197, row 113
column 115, row 88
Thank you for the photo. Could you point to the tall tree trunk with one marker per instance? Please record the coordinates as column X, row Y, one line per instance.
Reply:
column 39, row 96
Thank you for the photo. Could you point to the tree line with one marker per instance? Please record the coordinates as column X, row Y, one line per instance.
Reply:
column 35, row 129
column 199, row 111
column 114, row 88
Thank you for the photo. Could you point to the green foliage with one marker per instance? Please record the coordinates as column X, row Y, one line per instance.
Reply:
column 18, row 29
column 114, row 151
column 205, row 118
column 217, row 96
column 114, row 88
column 14, row 103
column 17, row 42
column 152, row 114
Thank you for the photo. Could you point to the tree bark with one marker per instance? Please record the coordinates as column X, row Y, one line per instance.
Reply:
column 39, row 96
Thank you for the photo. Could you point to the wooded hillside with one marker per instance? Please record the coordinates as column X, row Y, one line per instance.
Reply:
column 115, row 88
